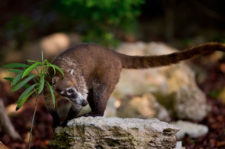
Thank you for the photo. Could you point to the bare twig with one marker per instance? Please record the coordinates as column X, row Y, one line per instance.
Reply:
column 5, row 123
column 35, row 109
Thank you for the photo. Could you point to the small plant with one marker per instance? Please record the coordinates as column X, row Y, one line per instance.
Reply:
column 35, row 72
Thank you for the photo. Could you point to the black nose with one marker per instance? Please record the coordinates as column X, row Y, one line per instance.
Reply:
column 84, row 103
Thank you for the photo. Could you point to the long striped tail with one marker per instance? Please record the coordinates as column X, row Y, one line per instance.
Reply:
column 138, row 62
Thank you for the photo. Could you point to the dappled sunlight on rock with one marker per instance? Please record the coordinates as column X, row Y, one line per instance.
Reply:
column 145, row 106
column 191, row 129
column 168, row 81
column 52, row 45
column 55, row 43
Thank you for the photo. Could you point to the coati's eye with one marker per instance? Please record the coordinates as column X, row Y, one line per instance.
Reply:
column 70, row 90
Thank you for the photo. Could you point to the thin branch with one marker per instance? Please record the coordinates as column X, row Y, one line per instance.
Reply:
column 32, row 123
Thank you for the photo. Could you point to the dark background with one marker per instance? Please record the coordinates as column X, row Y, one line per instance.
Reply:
column 172, row 21
column 178, row 23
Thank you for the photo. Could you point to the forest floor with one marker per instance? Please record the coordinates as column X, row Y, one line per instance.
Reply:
column 43, row 133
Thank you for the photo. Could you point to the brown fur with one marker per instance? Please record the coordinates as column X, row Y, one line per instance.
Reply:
column 97, row 70
column 162, row 60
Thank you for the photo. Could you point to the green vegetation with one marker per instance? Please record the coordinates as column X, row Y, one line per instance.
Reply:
column 215, row 93
column 100, row 20
column 24, row 75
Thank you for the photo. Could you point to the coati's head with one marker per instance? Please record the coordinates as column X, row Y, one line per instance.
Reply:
column 71, row 87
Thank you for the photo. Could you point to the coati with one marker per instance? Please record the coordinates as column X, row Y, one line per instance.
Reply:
column 92, row 71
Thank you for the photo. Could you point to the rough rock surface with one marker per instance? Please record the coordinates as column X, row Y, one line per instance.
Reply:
column 115, row 133
column 191, row 129
column 173, row 86
column 179, row 145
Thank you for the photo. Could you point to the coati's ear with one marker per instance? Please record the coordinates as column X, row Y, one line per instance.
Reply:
column 71, row 71
column 54, row 80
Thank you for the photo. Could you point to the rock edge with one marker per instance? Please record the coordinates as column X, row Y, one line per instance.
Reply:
column 114, row 133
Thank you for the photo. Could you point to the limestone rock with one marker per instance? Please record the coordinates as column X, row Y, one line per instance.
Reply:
column 173, row 86
column 179, row 145
column 191, row 129
column 145, row 106
column 186, row 106
column 57, row 43
column 111, row 109
column 114, row 133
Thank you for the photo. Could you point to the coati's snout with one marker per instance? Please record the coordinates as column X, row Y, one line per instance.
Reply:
column 73, row 95
column 67, row 88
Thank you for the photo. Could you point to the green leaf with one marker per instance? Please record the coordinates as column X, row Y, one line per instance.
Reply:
column 16, row 65
column 15, row 70
column 31, row 61
column 58, row 68
column 30, row 68
column 52, row 93
column 41, row 84
column 17, row 78
column 27, row 85
column 46, row 61
column 24, row 96
column 50, row 65
column 8, row 79
column 23, row 82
